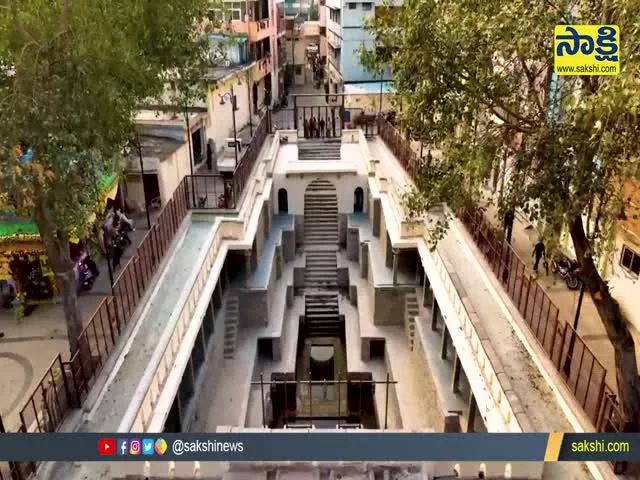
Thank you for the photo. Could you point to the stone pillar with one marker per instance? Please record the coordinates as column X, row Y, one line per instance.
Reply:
column 435, row 311
column 427, row 294
column 247, row 267
column 457, row 368
column 445, row 341
column 219, row 289
column 471, row 413
column 396, row 254
column 226, row 276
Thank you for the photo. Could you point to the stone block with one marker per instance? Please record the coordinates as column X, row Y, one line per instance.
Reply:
column 365, row 349
column 493, row 357
column 377, row 209
column 364, row 260
column 299, row 228
column 298, row 277
column 353, row 241
column 278, row 261
column 343, row 277
column 504, row 381
column 452, row 423
column 289, row 296
column 288, row 245
column 353, row 295
column 342, row 228
column 254, row 308
column 389, row 306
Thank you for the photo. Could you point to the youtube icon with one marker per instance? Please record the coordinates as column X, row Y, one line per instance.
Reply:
column 106, row 446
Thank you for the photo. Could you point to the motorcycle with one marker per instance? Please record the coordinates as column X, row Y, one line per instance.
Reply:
column 281, row 103
column 567, row 268
column 86, row 273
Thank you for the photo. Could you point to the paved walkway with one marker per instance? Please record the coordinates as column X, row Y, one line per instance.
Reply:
column 590, row 326
column 29, row 346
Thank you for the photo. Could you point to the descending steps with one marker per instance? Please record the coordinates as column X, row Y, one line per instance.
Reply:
column 321, row 269
column 321, row 315
column 411, row 310
column 231, row 319
column 320, row 214
column 319, row 149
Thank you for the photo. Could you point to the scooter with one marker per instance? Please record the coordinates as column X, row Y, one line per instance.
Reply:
column 567, row 268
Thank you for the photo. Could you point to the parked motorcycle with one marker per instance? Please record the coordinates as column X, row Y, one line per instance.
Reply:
column 567, row 268
column 86, row 273
column 281, row 103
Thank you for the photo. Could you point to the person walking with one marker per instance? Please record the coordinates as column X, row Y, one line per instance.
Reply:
column 312, row 126
column 305, row 125
column 322, row 125
column 538, row 254
column 507, row 225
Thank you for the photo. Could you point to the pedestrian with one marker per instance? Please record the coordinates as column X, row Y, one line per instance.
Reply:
column 305, row 125
column 507, row 227
column 209, row 157
column 312, row 126
column 538, row 254
column 322, row 124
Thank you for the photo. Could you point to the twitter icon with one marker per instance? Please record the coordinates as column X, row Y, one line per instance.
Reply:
column 147, row 446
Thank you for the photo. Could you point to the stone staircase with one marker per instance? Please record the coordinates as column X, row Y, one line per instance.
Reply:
column 411, row 310
column 320, row 214
column 319, row 149
column 231, row 320
column 321, row 315
column 321, row 269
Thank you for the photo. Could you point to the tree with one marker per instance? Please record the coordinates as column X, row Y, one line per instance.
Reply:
column 72, row 75
column 476, row 77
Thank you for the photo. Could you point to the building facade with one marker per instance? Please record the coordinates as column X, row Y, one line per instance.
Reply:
column 345, row 35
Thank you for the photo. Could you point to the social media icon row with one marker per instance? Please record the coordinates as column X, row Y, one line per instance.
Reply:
column 147, row 446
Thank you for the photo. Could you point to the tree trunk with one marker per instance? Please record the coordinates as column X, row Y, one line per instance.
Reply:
column 615, row 324
column 57, row 246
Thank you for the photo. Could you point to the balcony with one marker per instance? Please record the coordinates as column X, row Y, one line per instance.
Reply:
column 255, row 30
column 261, row 68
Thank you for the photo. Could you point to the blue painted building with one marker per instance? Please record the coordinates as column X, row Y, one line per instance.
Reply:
column 346, row 33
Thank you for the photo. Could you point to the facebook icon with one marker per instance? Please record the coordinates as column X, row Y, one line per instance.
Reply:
column 123, row 447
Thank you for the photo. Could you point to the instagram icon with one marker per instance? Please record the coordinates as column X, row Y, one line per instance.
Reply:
column 134, row 447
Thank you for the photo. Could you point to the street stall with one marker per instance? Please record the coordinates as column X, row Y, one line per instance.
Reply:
column 26, row 278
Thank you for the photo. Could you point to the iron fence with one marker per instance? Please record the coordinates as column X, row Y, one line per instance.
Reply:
column 336, row 118
column 306, row 391
column 583, row 373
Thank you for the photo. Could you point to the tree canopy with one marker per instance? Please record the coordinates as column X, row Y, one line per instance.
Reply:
column 475, row 80
column 72, row 76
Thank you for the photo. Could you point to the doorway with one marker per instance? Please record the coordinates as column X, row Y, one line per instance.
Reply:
column 283, row 201
column 358, row 200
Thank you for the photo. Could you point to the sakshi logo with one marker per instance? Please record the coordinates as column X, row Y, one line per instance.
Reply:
column 587, row 50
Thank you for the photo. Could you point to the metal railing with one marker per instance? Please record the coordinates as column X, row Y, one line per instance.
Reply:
column 334, row 391
column 582, row 372
column 65, row 385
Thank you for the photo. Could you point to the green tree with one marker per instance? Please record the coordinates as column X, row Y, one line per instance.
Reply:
column 475, row 77
column 72, row 75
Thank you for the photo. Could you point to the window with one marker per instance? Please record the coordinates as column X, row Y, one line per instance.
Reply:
column 367, row 6
column 352, row 6
column 630, row 260
column 298, row 70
